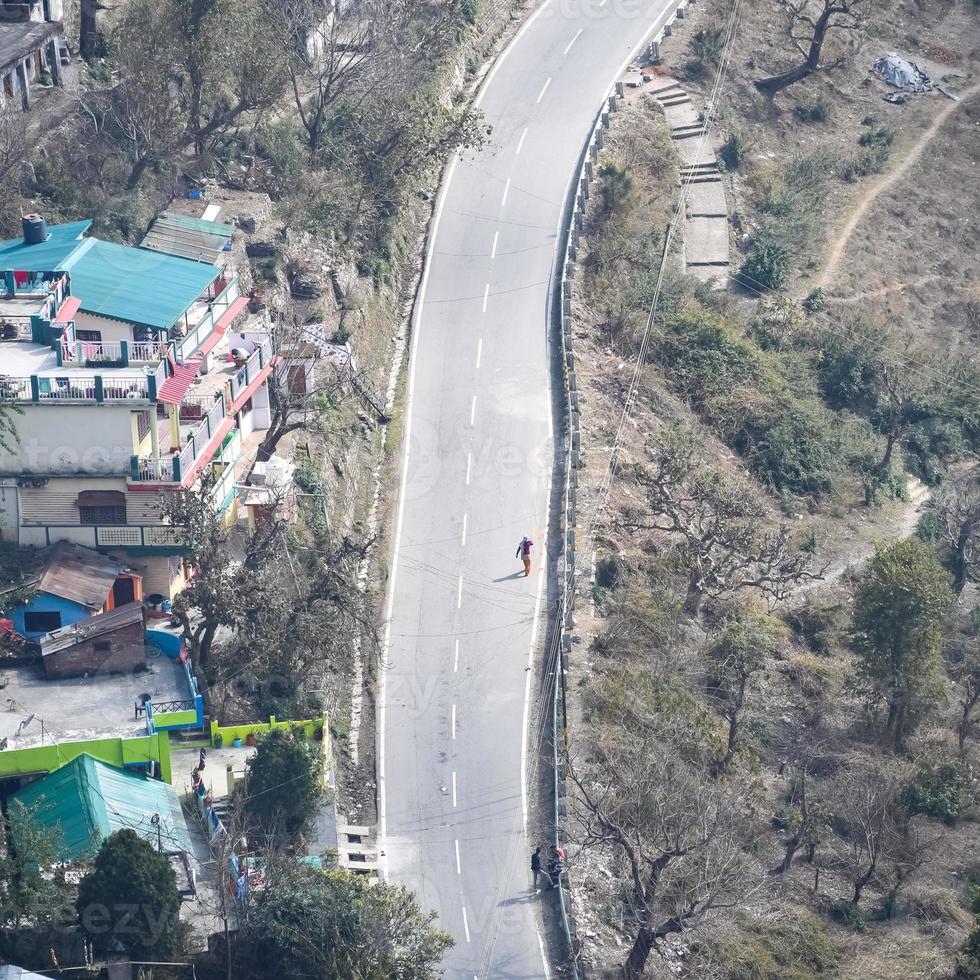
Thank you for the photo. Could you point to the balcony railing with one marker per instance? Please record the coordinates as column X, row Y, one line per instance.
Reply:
column 114, row 387
column 247, row 373
column 186, row 346
column 101, row 353
column 138, row 536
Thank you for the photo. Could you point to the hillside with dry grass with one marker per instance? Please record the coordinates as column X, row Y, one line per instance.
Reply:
column 776, row 657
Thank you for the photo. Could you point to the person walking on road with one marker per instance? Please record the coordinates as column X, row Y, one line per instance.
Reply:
column 536, row 870
column 524, row 553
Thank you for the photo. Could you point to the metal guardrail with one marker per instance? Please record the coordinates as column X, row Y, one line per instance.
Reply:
column 572, row 225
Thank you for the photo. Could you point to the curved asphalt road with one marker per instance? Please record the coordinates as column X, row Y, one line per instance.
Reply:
column 461, row 623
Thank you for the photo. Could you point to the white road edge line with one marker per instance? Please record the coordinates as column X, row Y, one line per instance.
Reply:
column 396, row 541
column 472, row 411
column 463, row 542
column 493, row 250
column 578, row 34
column 469, row 463
column 453, row 726
column 459, row 593
column 520, row 142
column 459, row 869
column 456, row 658
column 486, row 296
column 466, row 927
column 503, row 200
column 544, row 957
column 454, row 788
column 544, row 88
column 479, row 352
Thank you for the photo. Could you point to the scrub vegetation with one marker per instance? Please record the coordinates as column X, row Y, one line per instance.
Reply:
column 772, row 732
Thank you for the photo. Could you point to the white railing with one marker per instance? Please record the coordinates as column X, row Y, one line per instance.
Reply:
column 15, row 389
column 153, row 470
column 203, row 328
column 246, row 374
column 144, row 353
column 201, row 436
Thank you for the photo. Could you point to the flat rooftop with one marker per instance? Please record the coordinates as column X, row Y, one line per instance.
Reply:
column 101, row 706
column 21, row 306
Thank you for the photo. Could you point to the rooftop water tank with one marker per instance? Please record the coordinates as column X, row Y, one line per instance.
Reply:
column 35, row 229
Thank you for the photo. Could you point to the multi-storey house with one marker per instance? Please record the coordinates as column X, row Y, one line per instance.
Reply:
column 122, row 382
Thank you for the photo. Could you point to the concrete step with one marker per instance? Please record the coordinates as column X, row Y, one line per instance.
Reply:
column 354, row 829
column 673, row 87
column 708, row 265
column 686, row 135
column 346, row 847
column 680, row 98
column 706, row 167
column 706, row 179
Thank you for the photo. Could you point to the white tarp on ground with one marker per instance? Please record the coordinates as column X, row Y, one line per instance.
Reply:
column 895, row 70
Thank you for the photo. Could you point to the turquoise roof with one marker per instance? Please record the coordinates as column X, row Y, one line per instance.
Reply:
column 46, row 256
column 136, row 285
column 87, row 800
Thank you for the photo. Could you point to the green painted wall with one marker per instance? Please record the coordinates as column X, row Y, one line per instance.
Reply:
column 115, row 751
column 230, row 732
column 174, row 719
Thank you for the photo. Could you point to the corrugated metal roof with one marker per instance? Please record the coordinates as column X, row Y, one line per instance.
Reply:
column 46, row 256
column 135, row 284
column 78, row 574
column 88, row 800
column 87, row 629
column 187, row 237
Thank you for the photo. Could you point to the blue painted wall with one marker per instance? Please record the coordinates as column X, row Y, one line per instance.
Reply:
column 71, row 612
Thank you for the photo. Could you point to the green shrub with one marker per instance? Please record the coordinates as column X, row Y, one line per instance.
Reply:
column 793, row 447
column 610, row 572
column 468, row 11
column 848, row 915
column 733, row 151
column 616, row 186
column 800, row 949
column 812, row 112
column 877, row 136
column 814, row 301
column 867, row 162
column 885, row 486
column 707, row 45
column 821, row 625
column 765, row 267
column 936, row 789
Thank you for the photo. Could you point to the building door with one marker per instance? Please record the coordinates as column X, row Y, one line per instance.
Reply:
column 123, row 591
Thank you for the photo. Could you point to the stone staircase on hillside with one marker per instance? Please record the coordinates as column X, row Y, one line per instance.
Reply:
column 706, row 239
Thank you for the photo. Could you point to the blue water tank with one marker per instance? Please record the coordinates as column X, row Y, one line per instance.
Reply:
column 35, row 229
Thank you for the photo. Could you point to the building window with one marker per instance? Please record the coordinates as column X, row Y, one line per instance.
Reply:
column 42, row 622
column 101, row 515
column 102, row 646
column 142, row 425
column 145, row 335
column 90, row 336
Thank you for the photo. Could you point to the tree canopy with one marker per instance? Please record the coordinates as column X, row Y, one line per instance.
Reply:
column 898, row 635
column 130, row 899
column 283, row 785
column 336, row 926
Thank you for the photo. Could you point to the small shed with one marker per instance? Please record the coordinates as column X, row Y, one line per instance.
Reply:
column 72, row 583
column 87, row 800
column 110, row 641
column 188, row 238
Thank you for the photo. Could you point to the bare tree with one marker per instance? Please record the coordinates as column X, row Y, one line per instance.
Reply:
column 877, row 839
column 808, row 24
column 729, row 542
column 678, row 834
column 306, row 385
column 962, row 654
column 189, row 72
column 807, row 823
column 957, row 507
